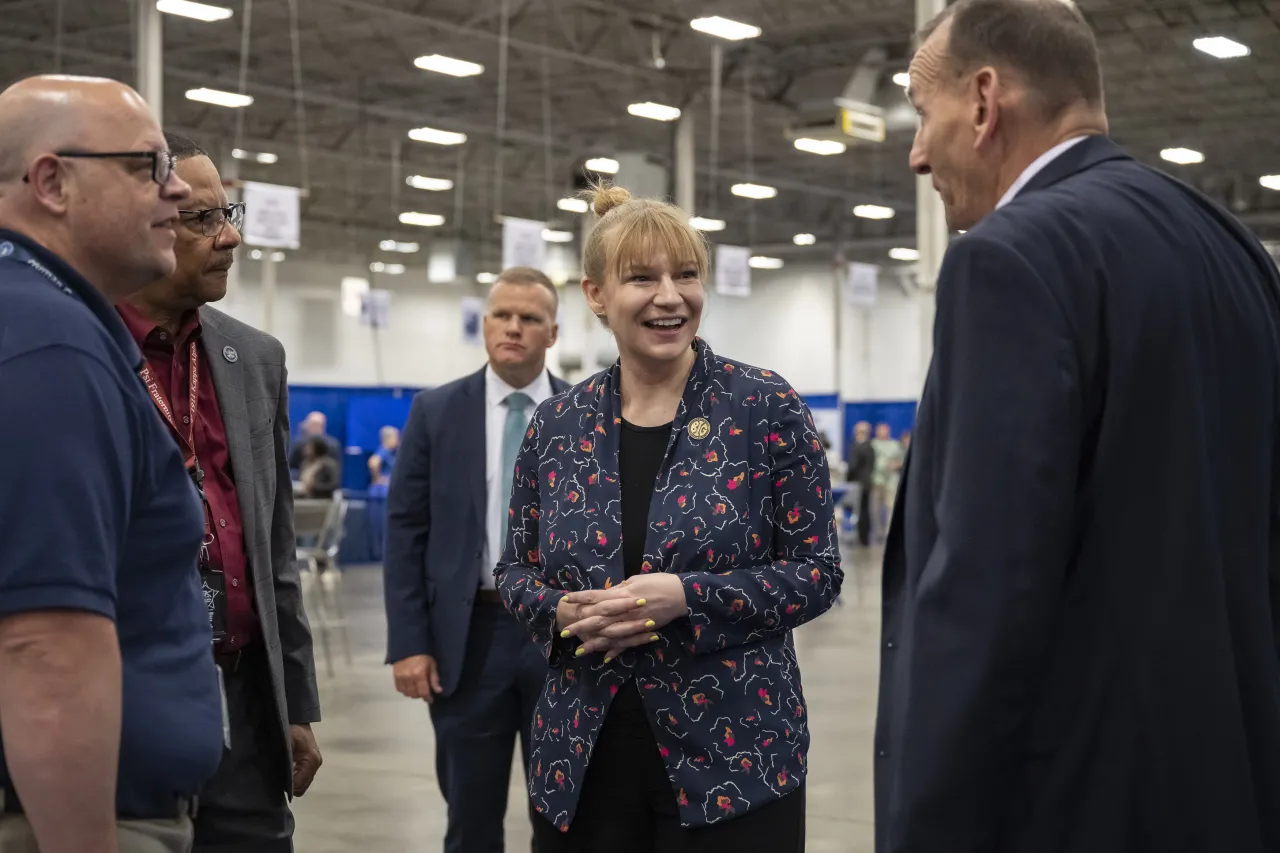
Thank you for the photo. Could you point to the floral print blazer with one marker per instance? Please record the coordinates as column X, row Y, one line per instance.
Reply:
column 742, row 511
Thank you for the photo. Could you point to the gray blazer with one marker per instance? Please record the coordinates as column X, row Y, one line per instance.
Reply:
column 251, row 381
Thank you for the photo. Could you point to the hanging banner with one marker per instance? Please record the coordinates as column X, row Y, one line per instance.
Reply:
column 472, row 320
column 522, row 243
column 272, row 216
column 862, row 284
column 375, row 309
column 733, row 270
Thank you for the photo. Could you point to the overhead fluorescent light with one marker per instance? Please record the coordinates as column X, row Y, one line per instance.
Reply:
column 573, row 205
column 1271, row 182
column 657, row 112
column 486, row 278
column 1182, row 156
column 448, row 65
column 425, row 220
column 394, row 246
column 553, row 236
column 756, row 191
column 256, row 156
column 725, row 28
column 256, row 255
column 219, row 98
column 873, row 211
column 199, row 11
column 602, row 164
column 761, row 262
column 1221, row 47
column 804, row 239
column 704, row 224
column 904, row 254
column 902, row 78
column 820, row 146
column 421, row 182
column 389, row 269
column 437, row 137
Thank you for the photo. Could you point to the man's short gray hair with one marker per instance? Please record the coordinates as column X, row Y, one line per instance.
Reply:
column 530, row 276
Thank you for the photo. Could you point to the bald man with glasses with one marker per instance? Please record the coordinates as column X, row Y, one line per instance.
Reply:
column 109, row 698
column 237, row 436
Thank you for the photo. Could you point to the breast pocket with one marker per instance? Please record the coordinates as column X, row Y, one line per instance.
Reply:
column 262, row 420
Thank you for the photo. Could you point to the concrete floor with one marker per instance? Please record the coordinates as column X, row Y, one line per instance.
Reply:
column 377, row 790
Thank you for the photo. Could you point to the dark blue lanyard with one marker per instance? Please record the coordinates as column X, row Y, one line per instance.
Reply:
column 12, row 252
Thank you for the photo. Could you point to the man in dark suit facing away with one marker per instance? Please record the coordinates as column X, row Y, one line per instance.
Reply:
column 450, row 641
column 1082, row 582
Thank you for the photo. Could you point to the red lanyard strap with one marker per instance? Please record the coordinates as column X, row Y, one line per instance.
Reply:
column 193, row 394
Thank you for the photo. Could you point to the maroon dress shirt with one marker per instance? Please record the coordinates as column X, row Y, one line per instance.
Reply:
column 169, row 360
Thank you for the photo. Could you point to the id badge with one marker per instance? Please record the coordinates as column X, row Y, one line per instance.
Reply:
column 226, row 712
column 214, row 584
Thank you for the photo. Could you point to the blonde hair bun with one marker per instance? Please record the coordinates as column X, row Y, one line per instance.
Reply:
column 605, row 197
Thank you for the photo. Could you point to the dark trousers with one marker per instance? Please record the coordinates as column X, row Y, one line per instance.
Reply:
column 244, row 809
column 627, row 804
column 476, row 727
column 864, row 516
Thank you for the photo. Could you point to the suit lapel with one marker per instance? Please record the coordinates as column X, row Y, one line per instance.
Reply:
column 228, row 382
column 472, row 444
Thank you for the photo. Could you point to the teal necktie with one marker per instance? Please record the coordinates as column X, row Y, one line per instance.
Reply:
column 512, row 438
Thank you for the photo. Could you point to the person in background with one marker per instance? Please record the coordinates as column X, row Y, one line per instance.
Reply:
column 110, row 717
column 888, row 469
column 319, row 474
column 383, row 460
column 314, row 425
column 262, row 642
column 861, row 472
column 449, row 642
column 905, row 440
column 1081, row 647
column 671, row 523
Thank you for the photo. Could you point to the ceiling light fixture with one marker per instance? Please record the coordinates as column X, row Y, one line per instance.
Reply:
column 1271, row 182
column 657, row 112
column 902, row 79
column 394, row 246
column 389, row 269
column 553, row 236
column 762, row 262
column 256, row 156
column 573, row 205
column 1182, row 156
column 904, row 254
column 1221, row 47
column 486, row 278
column 725, row 28
column 704, row 224
column 756, row 191
column 804, row 239
column 604, row 165
column 824, row 147
column 435, row 185
column 873, row 211
column 448, row 65
column 198, row 11
column 437, row 137
column 219, row 98
column 424, row 220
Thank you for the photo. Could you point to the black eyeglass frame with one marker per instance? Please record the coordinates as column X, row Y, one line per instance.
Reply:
column 233, row 214
column 153, row 156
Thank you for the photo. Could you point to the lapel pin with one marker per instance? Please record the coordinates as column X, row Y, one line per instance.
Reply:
column 699, row 428
column 230, row 354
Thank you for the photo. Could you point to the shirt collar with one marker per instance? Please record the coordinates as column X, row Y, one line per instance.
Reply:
column 1038, row 166
column 86, row 292
column 496, row 388
column 146, row 331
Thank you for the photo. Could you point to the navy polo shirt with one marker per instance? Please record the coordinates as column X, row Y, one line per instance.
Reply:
column 97, row 514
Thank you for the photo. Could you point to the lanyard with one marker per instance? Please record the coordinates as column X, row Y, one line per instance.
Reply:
column 193, row 394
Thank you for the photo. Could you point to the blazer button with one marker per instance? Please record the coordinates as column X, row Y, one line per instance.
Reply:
column 890, row 646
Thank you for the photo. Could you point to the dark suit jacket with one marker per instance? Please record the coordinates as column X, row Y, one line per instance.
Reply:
column 436, row 525
column 1082, row 582
column 253, row 393
column 861, row 463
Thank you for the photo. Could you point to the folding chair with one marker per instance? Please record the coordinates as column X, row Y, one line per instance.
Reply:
column 319, row 526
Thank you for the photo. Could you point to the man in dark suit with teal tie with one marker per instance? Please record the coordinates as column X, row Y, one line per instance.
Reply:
column 450, row 641
column 1082, row 580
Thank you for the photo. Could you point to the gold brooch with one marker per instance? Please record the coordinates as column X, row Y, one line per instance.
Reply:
column 699, row 428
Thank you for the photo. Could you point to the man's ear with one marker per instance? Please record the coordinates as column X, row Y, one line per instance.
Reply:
column 49, row 180
column 985, row 89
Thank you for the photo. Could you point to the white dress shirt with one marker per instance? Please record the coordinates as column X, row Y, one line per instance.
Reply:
column 499, row 488
column 1037, row 166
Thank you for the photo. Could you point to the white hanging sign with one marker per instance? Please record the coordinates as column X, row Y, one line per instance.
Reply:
column 522, row 243
column 272, row 216
column 862, row 284
column 472, row 320
column 733, row 270
column 375, row 309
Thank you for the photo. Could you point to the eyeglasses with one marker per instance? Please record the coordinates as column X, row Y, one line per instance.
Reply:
column 162, row 162
column 212, row 219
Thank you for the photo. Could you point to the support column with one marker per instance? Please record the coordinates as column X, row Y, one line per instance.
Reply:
column 932, row 234
column 148, row 57
column 268, row 290
column 686, row 164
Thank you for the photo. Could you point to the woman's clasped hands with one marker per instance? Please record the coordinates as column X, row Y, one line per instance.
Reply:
column 622, row 617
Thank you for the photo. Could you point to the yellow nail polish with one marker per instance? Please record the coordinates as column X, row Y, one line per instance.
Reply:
column 640, row 602
column 606, row 660
column 651, row 624
column 564, row 635
column 655, row 638
column 580, row 652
